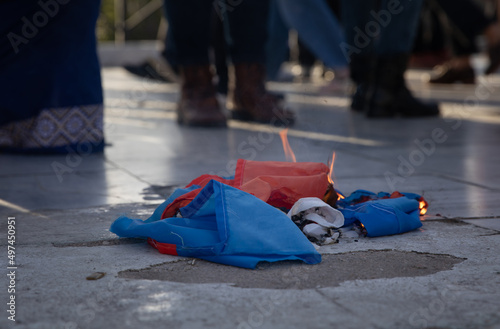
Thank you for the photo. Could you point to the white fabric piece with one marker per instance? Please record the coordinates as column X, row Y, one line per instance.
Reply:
column 318, row 211
column 321, row 220
column 321, row 234
column 315, row 230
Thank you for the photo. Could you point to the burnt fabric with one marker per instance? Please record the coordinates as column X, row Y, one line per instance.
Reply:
column 383, row 213
column 234, row 220
column 280, row 184
column 224, row 225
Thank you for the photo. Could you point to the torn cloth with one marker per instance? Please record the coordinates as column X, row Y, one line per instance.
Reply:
column 318, row 220
column 225, row 225
column 382, row 213
column 279, row 184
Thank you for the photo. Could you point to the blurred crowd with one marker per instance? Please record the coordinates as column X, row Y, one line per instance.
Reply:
column 233, row 47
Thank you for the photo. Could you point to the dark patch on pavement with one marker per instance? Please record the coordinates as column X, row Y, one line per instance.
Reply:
column 99, row 243
column 333, row 270
column 158, row 192
column 452, row 221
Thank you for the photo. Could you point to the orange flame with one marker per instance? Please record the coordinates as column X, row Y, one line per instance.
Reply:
column 423, row 207
column 330, row 176
column 332, row 161
column 290, row 156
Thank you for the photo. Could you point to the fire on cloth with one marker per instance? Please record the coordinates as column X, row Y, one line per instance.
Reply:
column 239, row 220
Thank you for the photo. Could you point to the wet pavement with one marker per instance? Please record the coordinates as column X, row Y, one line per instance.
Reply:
column 445, row 275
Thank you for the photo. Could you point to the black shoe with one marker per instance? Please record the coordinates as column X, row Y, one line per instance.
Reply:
column 154, row 69
column 449, row 74
column 361, row 69
column 389, row 96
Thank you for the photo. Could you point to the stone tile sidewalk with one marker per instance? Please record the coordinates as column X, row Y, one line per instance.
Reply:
column 445, row 275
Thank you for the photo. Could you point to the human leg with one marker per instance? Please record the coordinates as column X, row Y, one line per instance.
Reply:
column 248, row 97
column 277, row 42
column 358, row 48
column 189, row 24
column 58, row 68
column 390, row 95
column 317, row 28
column 381, row 41
column 466, row 20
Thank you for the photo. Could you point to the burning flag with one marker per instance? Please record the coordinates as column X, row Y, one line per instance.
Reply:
column 383, row 213
column 331, row 195
column 225, row 225
column 238, row 221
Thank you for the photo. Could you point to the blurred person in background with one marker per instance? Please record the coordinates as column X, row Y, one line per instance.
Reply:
column 379, row 39
column 465, row 21
column 50, row 83
column 319, row 30
column 245, row 31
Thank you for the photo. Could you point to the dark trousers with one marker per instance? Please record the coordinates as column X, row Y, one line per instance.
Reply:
column 381, row 27
column 245, row 27
column 467, row 20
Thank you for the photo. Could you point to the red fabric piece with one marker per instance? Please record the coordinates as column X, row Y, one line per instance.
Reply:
column 164, row 248
column 280, row 184
column 204, row 179
column 182, row 201
column 396, row 194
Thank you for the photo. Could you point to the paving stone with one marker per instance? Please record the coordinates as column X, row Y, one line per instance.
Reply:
column 444, row 275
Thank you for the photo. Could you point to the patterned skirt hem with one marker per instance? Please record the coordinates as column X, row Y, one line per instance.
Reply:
column 57, row 130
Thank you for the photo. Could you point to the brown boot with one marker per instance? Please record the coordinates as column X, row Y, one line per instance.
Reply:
column 198, row 105
column 249, row 100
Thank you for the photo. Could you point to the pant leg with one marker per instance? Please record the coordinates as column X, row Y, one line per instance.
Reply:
column 430, row 35
column 462, row 45
column 277, row 43
column 355, row 14
column 467, row 15
column 306, row 57
column 317, row 28
column 189, row 24
column 169, row 51
column 383, row 27
column 469, row 19
column 247, row 30
column 218, row 45
column 399, row 33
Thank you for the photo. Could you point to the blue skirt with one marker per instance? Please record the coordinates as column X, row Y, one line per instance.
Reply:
column 50, row 84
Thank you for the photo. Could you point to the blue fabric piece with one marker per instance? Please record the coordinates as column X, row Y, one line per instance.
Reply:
column 228, row 226
column 354, row 197
column 359, row 195
column 382, row 216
